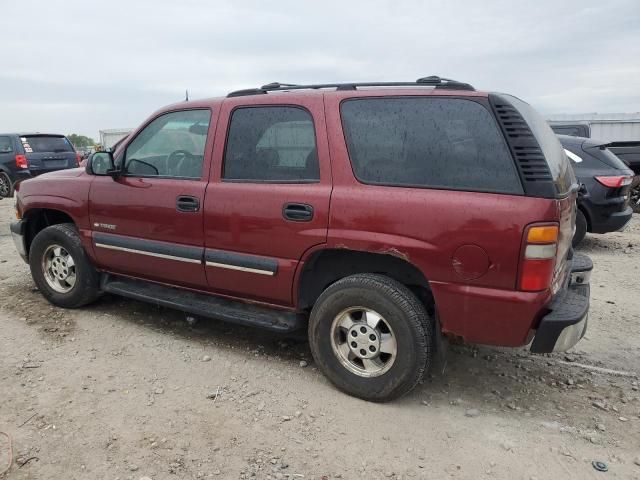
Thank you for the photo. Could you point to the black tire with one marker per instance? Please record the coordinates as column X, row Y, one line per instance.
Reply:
column 581, row 228
column 6, row 186
column 406, row 315
column 87, row 281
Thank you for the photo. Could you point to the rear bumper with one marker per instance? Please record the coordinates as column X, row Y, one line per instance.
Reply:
column 22, row 174
column 611, row 222
column 18, row 235
column 606, row 214
column 566, row 323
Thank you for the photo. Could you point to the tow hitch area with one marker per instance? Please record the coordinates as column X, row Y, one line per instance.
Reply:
column 566, row 324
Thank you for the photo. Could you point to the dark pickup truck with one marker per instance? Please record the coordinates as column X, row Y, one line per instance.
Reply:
column 383, row 218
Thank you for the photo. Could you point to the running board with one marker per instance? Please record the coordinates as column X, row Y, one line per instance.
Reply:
column 209, row 306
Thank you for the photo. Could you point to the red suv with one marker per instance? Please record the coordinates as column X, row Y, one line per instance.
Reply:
column 382, row 217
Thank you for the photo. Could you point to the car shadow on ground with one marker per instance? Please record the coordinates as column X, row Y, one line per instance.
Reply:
column 609, row 243
column 476, row 379
column 487, row 379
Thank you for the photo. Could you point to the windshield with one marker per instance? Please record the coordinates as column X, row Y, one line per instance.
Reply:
column 45, row 143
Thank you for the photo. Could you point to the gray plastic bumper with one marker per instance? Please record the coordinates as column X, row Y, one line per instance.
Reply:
column 566, row 323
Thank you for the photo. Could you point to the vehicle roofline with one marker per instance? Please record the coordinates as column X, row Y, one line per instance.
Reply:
column 294, row 95
column 29, row 134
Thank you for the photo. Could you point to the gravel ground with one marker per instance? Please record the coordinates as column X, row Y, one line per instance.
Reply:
column 125, row 390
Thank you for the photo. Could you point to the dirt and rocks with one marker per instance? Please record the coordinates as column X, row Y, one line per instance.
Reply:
column 125, row 390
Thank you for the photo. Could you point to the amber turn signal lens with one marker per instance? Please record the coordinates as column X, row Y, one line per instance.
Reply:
column 546, row 234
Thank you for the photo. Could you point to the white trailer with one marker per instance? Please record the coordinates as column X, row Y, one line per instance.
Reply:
column 108, row 138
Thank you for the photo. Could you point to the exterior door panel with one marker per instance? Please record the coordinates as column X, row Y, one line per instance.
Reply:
column 251, row 248
column 148, row 222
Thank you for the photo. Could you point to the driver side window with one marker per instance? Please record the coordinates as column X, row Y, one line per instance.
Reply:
column 171, row 146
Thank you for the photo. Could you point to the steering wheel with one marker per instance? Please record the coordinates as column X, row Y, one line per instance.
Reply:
column 176, row 159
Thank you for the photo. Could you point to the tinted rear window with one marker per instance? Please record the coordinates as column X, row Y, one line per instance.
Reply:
column 428, row 142
column 42, row 143
column 606, row 156
column 6, row 146
column 557, row 161
column 271, row 144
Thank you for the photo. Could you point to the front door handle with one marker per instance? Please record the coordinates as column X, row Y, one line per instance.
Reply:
column 187, row 203
column 297, row 212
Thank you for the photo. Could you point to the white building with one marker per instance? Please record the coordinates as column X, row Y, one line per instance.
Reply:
column 612, row 127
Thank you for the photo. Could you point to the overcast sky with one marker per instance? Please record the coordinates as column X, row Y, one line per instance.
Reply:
column 79, row 66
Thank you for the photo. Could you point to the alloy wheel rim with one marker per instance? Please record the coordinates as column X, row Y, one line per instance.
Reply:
column 59, row 269
column 363, row 342
column 4, row 185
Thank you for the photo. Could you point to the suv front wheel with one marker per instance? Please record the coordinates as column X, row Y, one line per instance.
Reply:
column 371, row 337
column 60, row 267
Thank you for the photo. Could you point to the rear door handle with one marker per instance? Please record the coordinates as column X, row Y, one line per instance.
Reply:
column 297, row 212
column 187, row 203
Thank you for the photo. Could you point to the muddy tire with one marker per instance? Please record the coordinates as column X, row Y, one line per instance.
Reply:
column 61, row 269
column 371, row 337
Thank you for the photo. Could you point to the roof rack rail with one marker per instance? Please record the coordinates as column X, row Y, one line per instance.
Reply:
column 433, row 80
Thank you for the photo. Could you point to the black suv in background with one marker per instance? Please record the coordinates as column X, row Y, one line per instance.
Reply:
column 604, row 199
column 625, row 150
column 25, row 155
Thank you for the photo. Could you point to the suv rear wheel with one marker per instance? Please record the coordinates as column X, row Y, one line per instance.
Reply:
column 371, row 337
column 60, row 267
column 6, row 186
column 581, row 228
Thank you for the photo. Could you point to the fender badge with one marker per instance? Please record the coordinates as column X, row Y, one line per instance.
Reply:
column 106, row 226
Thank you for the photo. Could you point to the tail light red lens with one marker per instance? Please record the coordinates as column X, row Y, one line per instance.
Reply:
column 538, row 257
column 21, row 161
column 536, row 275
column 614, row 181
column 78, row 159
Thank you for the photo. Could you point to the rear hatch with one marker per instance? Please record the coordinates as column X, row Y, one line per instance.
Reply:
column 544, row 169
column 46, row 153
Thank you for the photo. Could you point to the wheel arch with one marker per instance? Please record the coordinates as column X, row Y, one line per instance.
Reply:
column 38, row 219
column 326, row 266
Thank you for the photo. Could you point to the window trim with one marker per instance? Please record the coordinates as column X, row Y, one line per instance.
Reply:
column 483, row 102
column 264, row 181
column 122, row 160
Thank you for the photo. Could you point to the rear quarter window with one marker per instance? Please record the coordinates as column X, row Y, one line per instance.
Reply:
column 6, row 145
column 444, row 143
column 559, row 166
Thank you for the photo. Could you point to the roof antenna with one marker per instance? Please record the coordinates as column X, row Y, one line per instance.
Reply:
column 186, row 95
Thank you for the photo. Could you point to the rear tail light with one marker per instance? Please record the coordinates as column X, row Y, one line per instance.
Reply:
column 615, row 181
column 21, row 161
column 538, row 258
column 78, row 159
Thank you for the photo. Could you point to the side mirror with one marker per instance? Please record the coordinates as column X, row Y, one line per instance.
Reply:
column 102, row 163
